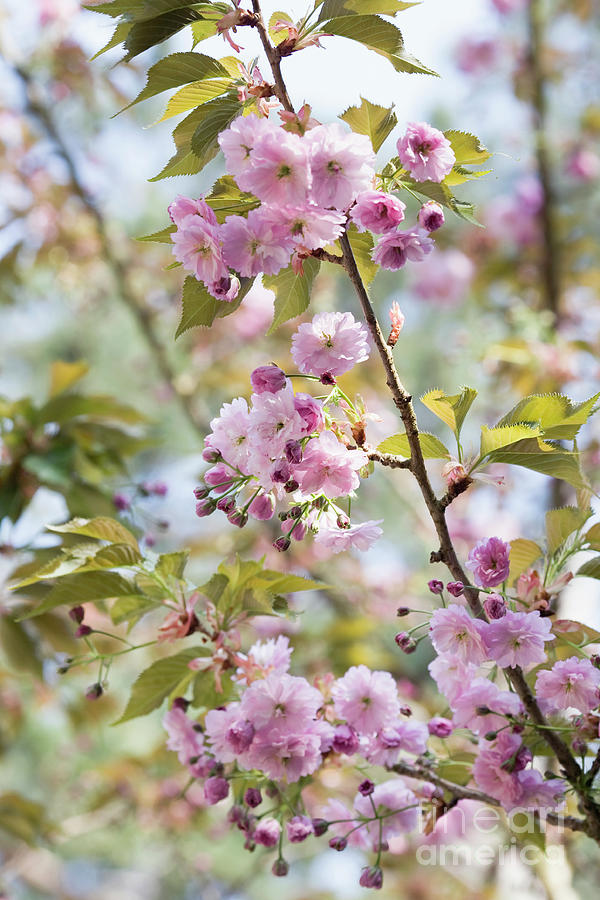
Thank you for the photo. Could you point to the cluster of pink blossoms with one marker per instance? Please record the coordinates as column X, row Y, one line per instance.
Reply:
column 282, row 729
column 310, row 188
column 284, row 446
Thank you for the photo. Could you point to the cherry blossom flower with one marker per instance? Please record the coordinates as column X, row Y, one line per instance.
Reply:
column 281, row 700
column 229, row 433
column 181, row 207
column 489, row 561
column 366, row 700
column 328, row 467
column 482, row 706
column 383, row 748
column 279, row 172
column 493, row 772
column 572, row 682
column 454, row 631
column 186, row 741
column 310, row 226
column 332, row 343
column 377, row 212
column 395, row 248
column 359, row 536
column 451, row 674
column 267, row 832
column 238, row 141
column 517, row 639
column 390, row 795
column 298, row 829
column 267, row 378
column 425, row 152
column 197, row 247
column 256, row 244
column 431, row 216
column 341, row 164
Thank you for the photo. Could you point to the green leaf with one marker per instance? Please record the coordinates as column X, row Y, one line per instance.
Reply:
column 561, row 523
column 63, row 375
column 292, row 291
column 119, row 35
column 468, row 149
column 219, row 113
column 591, row 568
column 215, row 587
column 64, row 407
column 205, row 690
column 102, row 528
column 73, row 590
column 20, row 650
column 201, row 30
column 378, row 35
column 132, row 608
column 451, row 409
column 193, row 95
column 431, row 446
column 201, row 309
column 23, row 819
column 362, row 248
column 334, row 8
column 458, row 769
column 156, row 682
column 160, row 237
column 558, row 416
column 504, row 435
column 144, row 35
column 375, row 121
column 172, row 564
column 178, row 69
column 278, row 36
column 226, row 199
column 545, row 458
column 592, row 536
column 523, row 554
column 441, row 193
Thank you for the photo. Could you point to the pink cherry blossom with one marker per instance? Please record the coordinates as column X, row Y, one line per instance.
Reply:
column 489, row 561
column 540, row 793
column 298, row 829
column 256, row 244
column 454, row 631
column 181, row 207
column 312, row 226
column 267, row 832
column 310, row 411
column 377, row 211
column 332, row 343
column 425, row 152
column 281, row 700
column 186, row 741
column 431, row 216
column 273, row 421
column 328, row 467
column 395, row 248
column 517, row 639
column 267, row 378
column 359, row 536
column 196, row 245
column 229, row 433
column 279, row 172
column 478, row 695
column 224, row 728
column 451, row 675
column 366, row 700
column 569, row 683
column 238, row 141
column 272, row 655
column 390, row 795
column 383, row 748
column 493, row 771
column 262, row 507
column 285, row 754
column 341, row 163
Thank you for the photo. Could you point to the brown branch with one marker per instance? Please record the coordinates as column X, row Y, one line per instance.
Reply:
column 327, row 257
column 274, row 57
column 389, row 460
column 140, row 313
column 459, row 792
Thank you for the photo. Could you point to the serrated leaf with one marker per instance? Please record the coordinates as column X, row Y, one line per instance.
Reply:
column 441, row 193
column 378, row 35
column 504, row 435
column 215, row 587
column 172, row 565
column 144, row 35
column 375, row 121
column 64, row 375
column 592, row 536
column 160, row 237
column 201, row 309
column 523, row 554
column 561, row 523
column 101, row 527
column 558, row 416
column 292, row 291
column 226, row 199
column 431, row 446
column 591, row 568
column 450, row 408
column 132, row 608
column 194, row 95
column 178, row 69
column 218, row 115
column 119, row 36
column 73, row 590
column 156, row 682
column 468, row 149
column 362, row 249
column 458, row 769
column 334, row 8
column 545, row 458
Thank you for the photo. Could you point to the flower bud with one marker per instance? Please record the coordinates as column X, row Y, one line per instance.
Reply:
column 121, row 502
column 494, row 606
column 371, row 877
column 366, row 787
column 200, row 493
column 327, row 378
column 436, row 587
column 205, row 507
column 280, row 471
column 280, row 868
column 215, row 789
column 402, row 611
column 238, row 517
column 406, row 711
column 77, row 613
column 282, row 544
column 94, row 691
column 491, row 736
column 440, row 727
column 83, row 631
column 456, row 588
column 252, row 797
column 345, row 740
column 262, row 507
column 267, row 379
column 211, row 455
column 180, row 703
column 291, row 486
column 580, row 747
column 226, row 504
column 431, row 216
column 338, row 843
column 320, row 826
column 298, row 829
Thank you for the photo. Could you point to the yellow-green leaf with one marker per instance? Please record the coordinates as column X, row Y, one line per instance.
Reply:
column 523, row 554
column 431, row 446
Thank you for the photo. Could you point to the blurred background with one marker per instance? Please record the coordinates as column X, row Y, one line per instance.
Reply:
column 92, row 812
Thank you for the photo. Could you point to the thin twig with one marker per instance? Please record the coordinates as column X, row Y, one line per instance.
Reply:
column 389, row 460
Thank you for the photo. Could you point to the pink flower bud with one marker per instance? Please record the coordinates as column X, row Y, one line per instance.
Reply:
column 94, row 692
column 371, row 877
column 76, row 613
column 280, row 868
column 494, row 606
column 267, row 379
column 338, row 843
column 262, row 507
column 436, row 587
column 267, row 832
column 440, row 727
column 253, row 797
column 205, row 507
column 298, row 829
column 215, row 789
column 456, row 588
column 431, row 216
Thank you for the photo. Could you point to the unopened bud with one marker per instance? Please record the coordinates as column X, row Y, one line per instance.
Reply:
column 77, row 613
column 338, row 843
column 436, row 587
column 402, row 611
column 280, row 868
column 238, row 517
column 491, row 735
column 210, row 455
column 366, row 787
column 253, row 798
column 327, row 378
column 83, row 631
column 282, row 544
column 94, row 691
column 320, row 826
column 200, row 493
column 291, row 486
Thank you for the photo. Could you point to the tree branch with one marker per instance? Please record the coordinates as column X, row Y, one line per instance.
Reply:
column 389, row 460
column 272, row 54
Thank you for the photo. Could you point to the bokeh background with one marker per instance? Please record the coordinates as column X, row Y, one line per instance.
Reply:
column 93, row 812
